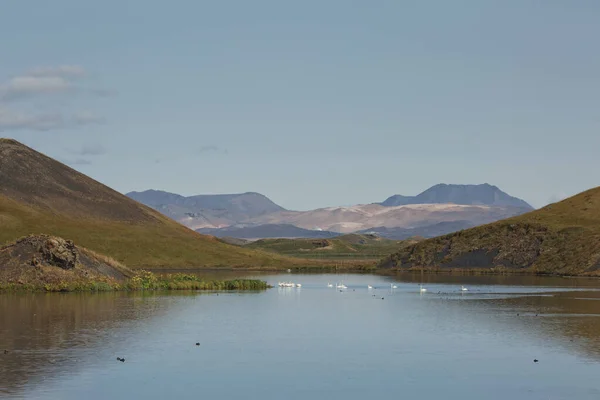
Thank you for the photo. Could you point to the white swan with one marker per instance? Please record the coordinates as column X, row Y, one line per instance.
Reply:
column 464, row 289
column 369, row 287
column 422, row 289
column 298, row 285
column 393, row 286
column 330, row 285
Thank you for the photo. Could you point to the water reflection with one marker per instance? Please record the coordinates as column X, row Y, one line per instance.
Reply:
column 50, row 332
column 366, row 333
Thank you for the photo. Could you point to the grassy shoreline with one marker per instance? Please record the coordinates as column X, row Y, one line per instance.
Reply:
column 141, row 281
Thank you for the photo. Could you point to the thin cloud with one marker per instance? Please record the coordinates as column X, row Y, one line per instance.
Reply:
column 73, row 71
column 13, row 120
column 86, row 118
column 48, row 80
column 16, row 120
column 80, row 161
column 31, row 89
column 89, row 150
column 209, row 149
column 212, row 149
column 23, row 86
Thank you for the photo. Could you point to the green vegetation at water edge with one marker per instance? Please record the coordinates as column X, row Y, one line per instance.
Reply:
column 141, row 281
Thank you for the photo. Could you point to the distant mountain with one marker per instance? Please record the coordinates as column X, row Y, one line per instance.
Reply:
column 439, row 210
column 484, row 194
column 367, row 216
column 207, row 211
column 428, row 231
column 562, row 238
column 279, row 231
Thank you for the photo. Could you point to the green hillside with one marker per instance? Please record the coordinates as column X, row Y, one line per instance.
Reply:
column 561, row 238
column 346, row 247
column 39, row 195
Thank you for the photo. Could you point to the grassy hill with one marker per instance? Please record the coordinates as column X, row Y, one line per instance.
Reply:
column 561, row 238
column 39, row 195
column 345, row 247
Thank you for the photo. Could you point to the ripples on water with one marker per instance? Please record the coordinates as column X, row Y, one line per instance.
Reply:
column 314, row 342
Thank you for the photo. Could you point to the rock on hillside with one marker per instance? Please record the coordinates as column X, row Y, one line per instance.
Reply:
column 44, row 259
column 484, row 194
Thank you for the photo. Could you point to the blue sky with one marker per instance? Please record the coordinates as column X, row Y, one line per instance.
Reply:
column 312, row 103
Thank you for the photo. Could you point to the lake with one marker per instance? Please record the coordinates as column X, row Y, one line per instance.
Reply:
column 312, row 342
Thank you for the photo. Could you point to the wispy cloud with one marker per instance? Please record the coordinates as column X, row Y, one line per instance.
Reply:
column 86, row 118
column 80, row 161
column 18, row 120
column 74, row 71
column 212, row 149
column 191, row 153
column 23, row 86
column 14, row 120
column 27, row 91
column 89, row 150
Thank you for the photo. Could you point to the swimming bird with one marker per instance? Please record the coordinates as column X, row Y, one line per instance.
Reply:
column 197, row 343
column 422, row 289
column 464, row 289
column 120, row 359
column 393, row 286
column 369, row 287
column 535, row 360
column 330, row 285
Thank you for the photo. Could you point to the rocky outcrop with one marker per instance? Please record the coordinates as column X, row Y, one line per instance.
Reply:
column 53, row 251
column 41, row 258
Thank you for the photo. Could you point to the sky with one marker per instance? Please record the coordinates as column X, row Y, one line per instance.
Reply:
column 312, row 103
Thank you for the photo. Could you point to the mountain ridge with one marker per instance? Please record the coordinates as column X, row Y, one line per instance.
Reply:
column 484, row 194
column 457, row 206
column 208, row 210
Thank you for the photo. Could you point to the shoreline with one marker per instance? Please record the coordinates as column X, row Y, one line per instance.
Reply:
column 492, row 271
column 142, row 281
column 170, row 279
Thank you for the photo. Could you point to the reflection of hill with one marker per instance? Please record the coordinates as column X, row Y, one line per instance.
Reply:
column 40, row 330
column 568, row 320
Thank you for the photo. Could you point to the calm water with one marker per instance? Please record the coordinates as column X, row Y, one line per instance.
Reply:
column 310, row 343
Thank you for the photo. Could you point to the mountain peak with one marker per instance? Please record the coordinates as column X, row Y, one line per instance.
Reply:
column 469, row 194
column 11, row 141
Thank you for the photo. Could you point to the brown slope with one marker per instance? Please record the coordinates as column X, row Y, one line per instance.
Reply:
column 561, row 238
column 34, row 179
column 43, row 259
column 41, row 195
